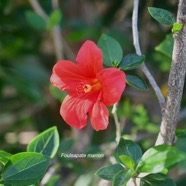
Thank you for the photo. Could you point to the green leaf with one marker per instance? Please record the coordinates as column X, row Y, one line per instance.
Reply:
column 130, row 149
column 161, row 15
column 57, row 93
column 4, row 157
column 54, row 19
column 121, row 178
column 108, row 172
column 35, row 21
column 46, row 143
column 158, row 158
column 176, row 27
column 127, row 161
column 111, row 50
column 136, row 82
column 66, row 145
column 131, row 61
column 166, row 46
column 156, row 179
column 25, row 168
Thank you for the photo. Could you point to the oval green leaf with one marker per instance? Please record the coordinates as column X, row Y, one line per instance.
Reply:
column 46, row 143
column 131, row 61
column 35, row 21
column 108, row 172
column 136, row 82
column 121, row 178
column 130, row 149
column 111, row 50
column 25, row 168
column 54, row 19
column 128, row 162
column 161, row 15
column 158, row 158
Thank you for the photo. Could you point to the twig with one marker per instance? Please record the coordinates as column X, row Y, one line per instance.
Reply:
column 56, row 32
column 175, row 82
column 138, row 51
column 38, row 9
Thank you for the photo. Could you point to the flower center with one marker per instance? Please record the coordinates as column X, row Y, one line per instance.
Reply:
column 83, row 88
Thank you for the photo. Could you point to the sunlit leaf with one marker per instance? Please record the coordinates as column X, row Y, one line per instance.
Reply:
column 176, row 27
column 46, row 143
column 4, row 157
column 158, row 158
column 166, row 46
column 54, row 19
column 128, row 162
column 25, row 168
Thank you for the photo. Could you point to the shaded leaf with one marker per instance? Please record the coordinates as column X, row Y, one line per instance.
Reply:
column 161, row 15
column 156, row 179
column 46, row 143
column 35, row 21
column 131, row 61
column 111, row 50
column 121, row 178
column 136, row 82
column 25, row 168
column 130, row 149
column 108, row 172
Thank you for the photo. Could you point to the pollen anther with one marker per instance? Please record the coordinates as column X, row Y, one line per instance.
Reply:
column 87, row 88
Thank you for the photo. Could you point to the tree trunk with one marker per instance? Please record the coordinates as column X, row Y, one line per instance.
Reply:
column 176, row 81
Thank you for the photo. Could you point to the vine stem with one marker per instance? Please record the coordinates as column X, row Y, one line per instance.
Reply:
column 138, row 51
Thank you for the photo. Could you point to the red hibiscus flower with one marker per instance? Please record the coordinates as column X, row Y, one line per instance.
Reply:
column 91, row 88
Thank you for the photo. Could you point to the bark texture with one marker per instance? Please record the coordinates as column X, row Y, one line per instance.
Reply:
column 176, row 81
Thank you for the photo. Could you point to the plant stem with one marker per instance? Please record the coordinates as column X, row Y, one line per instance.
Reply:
column 138, row 51
column 175, row 82
column 117, row 123
column 134, row 181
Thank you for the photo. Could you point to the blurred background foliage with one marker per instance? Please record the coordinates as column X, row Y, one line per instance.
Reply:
column 29, row 104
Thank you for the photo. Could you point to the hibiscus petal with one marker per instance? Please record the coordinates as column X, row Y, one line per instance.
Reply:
column 74, row 111
column 66, row 75
column 99, row 116
column 90, row 56
column 113, row 83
